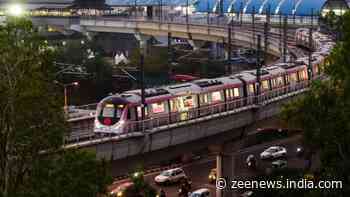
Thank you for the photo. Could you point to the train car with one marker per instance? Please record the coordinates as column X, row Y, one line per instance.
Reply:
column 216, row 92
column 249, row 86
column 121, row 113
column 184, row 102
column 295, row 74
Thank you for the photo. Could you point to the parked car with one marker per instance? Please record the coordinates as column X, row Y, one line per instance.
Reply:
column 170, row 176
column 203, row 192
column 212, row 175
column 273, row 152
column 279, row 164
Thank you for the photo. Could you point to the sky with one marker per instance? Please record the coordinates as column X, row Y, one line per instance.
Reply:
column 37, row 1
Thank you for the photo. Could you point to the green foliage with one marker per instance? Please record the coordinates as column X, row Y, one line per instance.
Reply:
column 324, row 115
column 140, row 187
column 32, row 124
column 70, row 173
column 155, row 62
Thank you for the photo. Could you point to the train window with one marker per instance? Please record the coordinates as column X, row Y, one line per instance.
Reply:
column 316, row 68
column 188, row 102
column 108, row 112
column 287, row 79
column 265, row 85
column 302, row 75
column 132, row 113
column 173, row 105
column 216, row 96
column 204, row 98
column 273, row 83
column 139, row 112
column 293, row 77
column 235, row 92
column 229, row 93
column 251, row 89
column 279, row 81
column 158, row 107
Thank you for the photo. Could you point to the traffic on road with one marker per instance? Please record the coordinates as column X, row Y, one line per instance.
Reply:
column 198, row 178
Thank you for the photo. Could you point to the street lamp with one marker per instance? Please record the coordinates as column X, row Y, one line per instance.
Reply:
column 15, row 10
column 65, row 87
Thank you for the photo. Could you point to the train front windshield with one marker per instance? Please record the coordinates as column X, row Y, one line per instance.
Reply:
column 109, row 113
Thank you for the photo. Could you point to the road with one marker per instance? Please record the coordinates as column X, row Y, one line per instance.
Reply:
column 198, row 171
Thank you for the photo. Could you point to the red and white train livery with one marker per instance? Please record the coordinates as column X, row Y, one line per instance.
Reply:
column 184, row 101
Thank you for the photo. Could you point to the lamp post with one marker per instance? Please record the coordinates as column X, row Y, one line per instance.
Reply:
column 187, row 4
column 15, row 10
column 65, row 87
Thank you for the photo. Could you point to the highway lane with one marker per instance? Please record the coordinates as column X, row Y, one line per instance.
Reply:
column 198, row 171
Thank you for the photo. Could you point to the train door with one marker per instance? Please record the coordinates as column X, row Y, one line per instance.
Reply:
column 233, row 97
column 132, row 118
column 204, row 104
column 160, row 111
column 184, row 106
column 251, row 92
column 217, row 99
column 293, row 80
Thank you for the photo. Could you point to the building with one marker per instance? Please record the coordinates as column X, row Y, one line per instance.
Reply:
column 339, row 7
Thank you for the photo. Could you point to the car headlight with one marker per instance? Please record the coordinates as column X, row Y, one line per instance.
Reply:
column 119, row 194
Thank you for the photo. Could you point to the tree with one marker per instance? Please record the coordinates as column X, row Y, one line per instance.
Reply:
column 324, row 115
column 140, row 188
column 99, row 82
column 32, row 124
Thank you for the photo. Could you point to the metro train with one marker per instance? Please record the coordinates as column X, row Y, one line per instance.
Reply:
column 121, row 113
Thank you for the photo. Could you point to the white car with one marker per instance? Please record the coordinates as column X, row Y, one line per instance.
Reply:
column 203, row 192
column 273, row 152
column 170, row 176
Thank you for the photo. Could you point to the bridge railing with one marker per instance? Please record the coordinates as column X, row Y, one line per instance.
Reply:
column 215, row 19
column 202, row 113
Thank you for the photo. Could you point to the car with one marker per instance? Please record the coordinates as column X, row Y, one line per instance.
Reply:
column 279, row 164
column 251, row 161
column 203, row 192
column 120, row 190
column 273, row 152
column 247, row 194
column 170, row 176
column 212, row 175
column 299, row 151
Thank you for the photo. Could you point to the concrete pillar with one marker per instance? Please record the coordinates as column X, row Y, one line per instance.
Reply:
column 143, row 40
column 218, row 173
column 217, row 50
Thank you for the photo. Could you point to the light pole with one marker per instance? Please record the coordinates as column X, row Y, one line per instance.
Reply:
column 15, row 10
column 187, row 3
column 65, row 87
